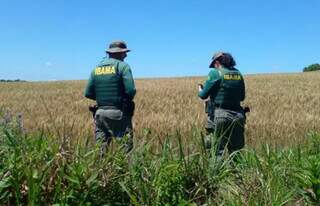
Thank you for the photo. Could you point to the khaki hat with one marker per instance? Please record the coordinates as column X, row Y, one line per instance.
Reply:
column 117, row 47
column 215, row 57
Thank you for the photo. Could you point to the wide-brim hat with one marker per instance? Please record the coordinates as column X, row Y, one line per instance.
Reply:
column 118, row 47
column 214, row 58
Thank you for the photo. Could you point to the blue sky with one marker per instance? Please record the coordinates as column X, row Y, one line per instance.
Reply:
column 64, row 39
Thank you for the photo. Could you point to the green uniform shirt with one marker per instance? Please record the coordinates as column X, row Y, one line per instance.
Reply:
column 225, row 87
column 110, row 83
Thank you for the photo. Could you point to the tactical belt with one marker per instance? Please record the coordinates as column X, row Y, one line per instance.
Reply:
column 127, row 107
column 233, row 108
column 109, row 107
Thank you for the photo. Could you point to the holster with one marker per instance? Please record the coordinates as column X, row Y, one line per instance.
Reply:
column 209, row 107
column 93, row 109
column 128, row 108
column 246, row 109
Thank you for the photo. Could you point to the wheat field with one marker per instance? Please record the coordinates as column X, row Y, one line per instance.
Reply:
column 284, row 107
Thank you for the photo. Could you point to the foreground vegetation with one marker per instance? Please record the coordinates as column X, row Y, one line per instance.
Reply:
column 41, row 169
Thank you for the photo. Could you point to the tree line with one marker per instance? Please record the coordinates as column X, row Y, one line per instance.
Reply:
column 312, row 67
column 9, row 80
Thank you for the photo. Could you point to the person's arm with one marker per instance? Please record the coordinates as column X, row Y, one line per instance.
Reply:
column 129, row 87
column 212, row 82
column 90, row 89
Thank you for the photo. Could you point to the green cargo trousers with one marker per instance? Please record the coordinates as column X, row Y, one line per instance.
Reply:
column 112, row 122
column 226, row 128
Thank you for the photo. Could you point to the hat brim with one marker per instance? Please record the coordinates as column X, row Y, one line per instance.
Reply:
column 212, row 64
column 214, row 58
column 117, row 50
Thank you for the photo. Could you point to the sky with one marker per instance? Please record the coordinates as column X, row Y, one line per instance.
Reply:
column 65, row 39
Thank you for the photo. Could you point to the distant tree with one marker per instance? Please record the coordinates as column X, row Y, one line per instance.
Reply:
column 312, row 67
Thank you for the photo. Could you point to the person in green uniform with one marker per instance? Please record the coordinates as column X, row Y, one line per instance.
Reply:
column 223, row 91
column 112, row 86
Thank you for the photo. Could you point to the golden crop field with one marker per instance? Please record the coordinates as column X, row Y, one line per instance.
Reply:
column 284, row 107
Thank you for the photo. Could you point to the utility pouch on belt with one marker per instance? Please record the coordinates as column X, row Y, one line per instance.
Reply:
column 209, row 107
column 128, row 108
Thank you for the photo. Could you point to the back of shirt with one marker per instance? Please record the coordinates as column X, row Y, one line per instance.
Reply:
column 110, row 83
column 231, row 90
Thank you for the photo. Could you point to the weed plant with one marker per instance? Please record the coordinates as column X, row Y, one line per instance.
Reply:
column 39, row 168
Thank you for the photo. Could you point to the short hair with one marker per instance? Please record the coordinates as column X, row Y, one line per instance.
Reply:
column 115, row 55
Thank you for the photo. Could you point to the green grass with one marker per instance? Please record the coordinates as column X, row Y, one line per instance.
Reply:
column 42, row 169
